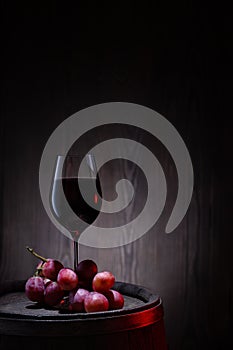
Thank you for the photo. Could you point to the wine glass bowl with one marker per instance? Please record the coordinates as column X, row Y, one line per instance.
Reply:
column 75, row 197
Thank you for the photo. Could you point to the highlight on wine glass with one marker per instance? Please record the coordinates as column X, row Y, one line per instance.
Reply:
column 67, row 216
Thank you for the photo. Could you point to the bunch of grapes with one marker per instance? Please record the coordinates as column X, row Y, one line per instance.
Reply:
column 83, row 290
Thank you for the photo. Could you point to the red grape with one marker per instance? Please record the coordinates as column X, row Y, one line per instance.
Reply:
column 103, row 281
column 53, row 294
column 50, row 269
column 76, row 299
column 95, row 302
column 52, row 282
column 67, row 279
column 77, row 304
column 86, row 270
column 115, row 299
column 46, row 281
column 83, row 292
column 72, row 294
column 34, row 288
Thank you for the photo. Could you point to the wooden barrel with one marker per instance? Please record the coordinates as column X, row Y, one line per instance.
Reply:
column 139, row 325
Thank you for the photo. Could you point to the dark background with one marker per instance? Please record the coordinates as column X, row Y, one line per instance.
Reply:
column 175, row 59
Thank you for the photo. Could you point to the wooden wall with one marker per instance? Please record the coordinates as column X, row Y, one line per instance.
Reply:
column 176, row 62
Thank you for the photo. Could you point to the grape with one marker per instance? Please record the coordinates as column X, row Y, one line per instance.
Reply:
column 95, row 302
column 53, row 294
column 48, row 268
column 76, row 299
column 46, row 281
column 115, row 299
column 77, row 304
column 80, row 291
column 52, row 282
column 34, row 289
column 83, row 292
column 51, row 268
column 72, row 294
column 86, row 270
column 67, row 279
column 103, row 281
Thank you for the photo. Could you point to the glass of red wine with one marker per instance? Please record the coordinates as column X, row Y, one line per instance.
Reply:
column 75, row 195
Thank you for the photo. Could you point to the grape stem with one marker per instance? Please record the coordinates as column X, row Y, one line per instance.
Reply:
column 36, row 255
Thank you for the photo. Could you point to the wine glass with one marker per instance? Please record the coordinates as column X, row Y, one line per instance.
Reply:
column 75, row 197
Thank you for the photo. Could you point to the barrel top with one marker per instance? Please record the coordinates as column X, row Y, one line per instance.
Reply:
column 15, row 307
column 15, row 304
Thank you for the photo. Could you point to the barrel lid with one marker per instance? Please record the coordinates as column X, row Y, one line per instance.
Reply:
column 18, row 315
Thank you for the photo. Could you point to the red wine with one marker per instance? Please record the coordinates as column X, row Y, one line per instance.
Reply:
column 67, row 201
column 77, row 202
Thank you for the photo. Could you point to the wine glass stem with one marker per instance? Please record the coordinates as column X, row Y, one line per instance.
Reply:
column 76, row 254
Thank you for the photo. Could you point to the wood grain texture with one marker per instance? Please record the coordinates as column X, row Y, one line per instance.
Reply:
column 179, row 65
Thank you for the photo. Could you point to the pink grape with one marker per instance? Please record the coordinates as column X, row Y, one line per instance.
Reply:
column 67, row 279
column 95, row 302
column 34, row 289
column 53, row 294
column 103, row 281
